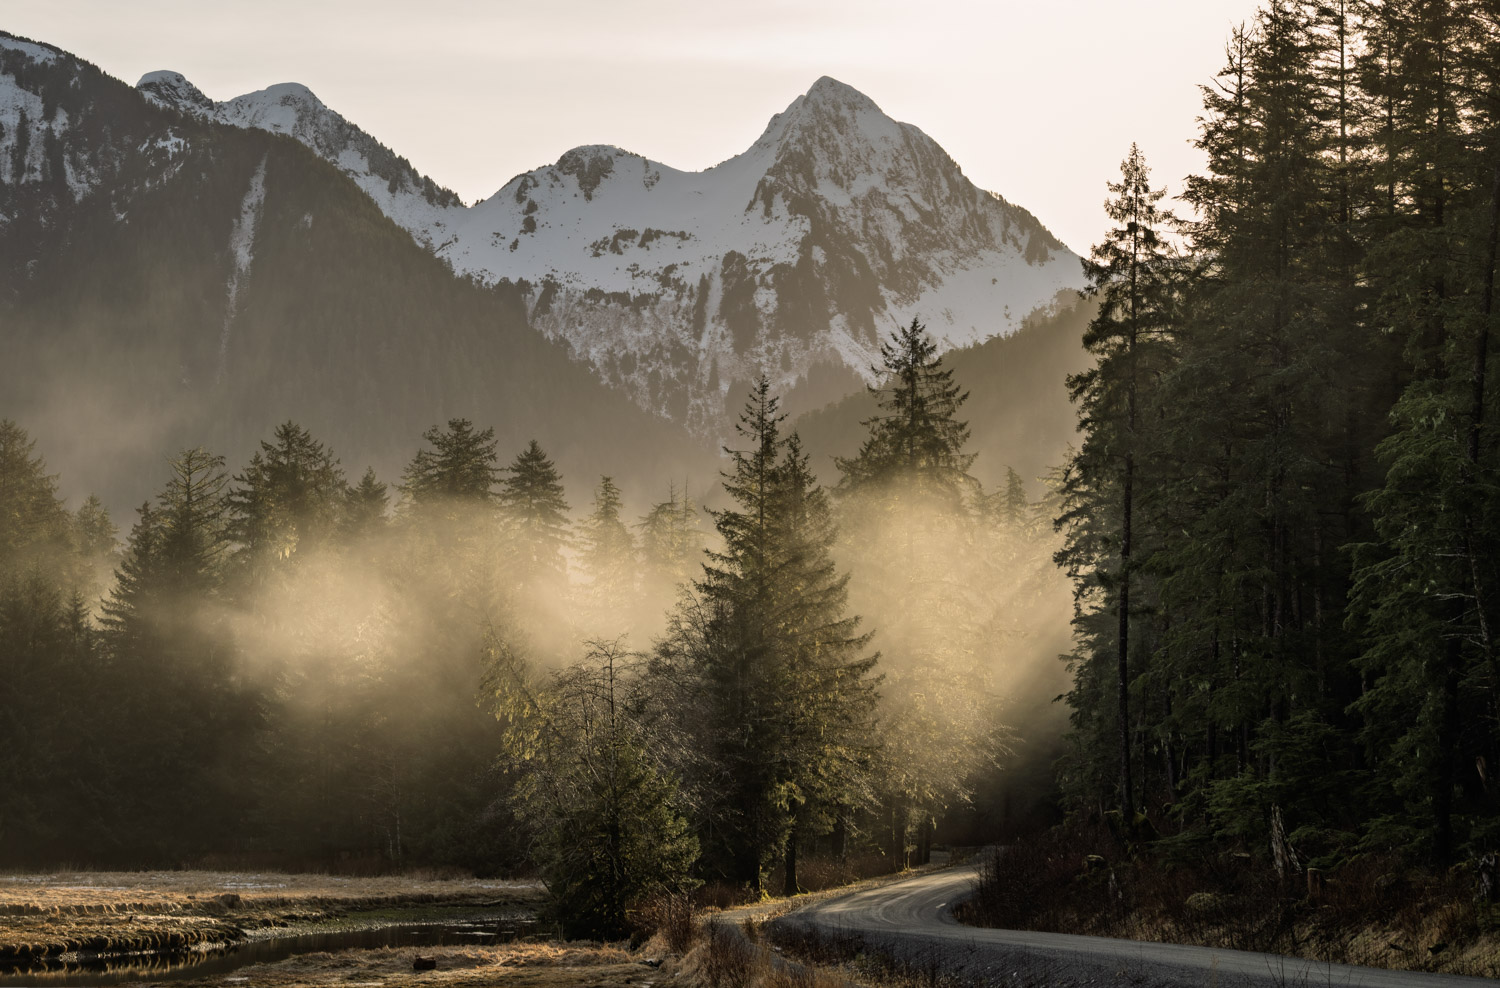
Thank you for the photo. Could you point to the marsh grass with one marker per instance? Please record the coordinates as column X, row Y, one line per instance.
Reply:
column 42, row 915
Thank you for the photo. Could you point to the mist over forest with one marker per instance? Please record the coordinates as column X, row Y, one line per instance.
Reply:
column 297, row 668
column 1166, row 614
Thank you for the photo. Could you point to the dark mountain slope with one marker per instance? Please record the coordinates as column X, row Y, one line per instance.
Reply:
column 201, row 283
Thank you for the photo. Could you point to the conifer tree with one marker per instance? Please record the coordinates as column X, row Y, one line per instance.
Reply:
column 536, row 515
column 365, row 506
column 95, row 530
column 458, row 465
column 611, row 833
column 34, row 523
column 830, row 693
column 917, row 439
column 1131, row 273
column 288, row 501
column 1424, row 589
column 188, row 720
column 672, row 539
column 907, row 510
column 1014, row 506
column 769, row 671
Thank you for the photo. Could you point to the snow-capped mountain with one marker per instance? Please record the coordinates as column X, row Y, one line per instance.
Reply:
column 168, row 280
column 793, row 258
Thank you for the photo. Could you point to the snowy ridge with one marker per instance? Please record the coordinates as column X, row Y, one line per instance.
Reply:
column 792, row 258
column 32, row 50
column 413, row 201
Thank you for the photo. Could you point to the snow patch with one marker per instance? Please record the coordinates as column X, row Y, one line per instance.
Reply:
column 242, row 253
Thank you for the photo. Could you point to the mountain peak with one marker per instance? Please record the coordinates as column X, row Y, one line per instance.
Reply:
column 286, row 91
column 173, row 91
column 286, row 108
column 590, row 164
column 585, row 153
column 829, row 91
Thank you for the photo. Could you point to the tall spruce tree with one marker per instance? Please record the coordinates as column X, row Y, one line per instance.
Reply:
column 191, row 723
column 458, row 464
column 762, row 666
column 365, row 506
column 535, row 511
column 288, row 501
column 908, row 507
column 830, row 693
column 1424, row 591
column 917, row 439
column 1133, row 275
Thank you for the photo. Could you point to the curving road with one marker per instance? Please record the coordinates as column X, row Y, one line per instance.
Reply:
column 914, row 919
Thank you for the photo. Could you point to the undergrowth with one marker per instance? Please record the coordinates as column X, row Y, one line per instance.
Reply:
column 1375, row 910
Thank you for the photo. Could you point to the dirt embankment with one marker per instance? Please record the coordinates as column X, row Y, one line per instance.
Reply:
column 47, row 915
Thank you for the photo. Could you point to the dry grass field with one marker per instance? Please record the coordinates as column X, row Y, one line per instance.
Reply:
column 521, row 965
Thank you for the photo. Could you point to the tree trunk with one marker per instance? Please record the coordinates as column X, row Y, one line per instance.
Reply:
column 790, row 886
column 840, row 838
column 898, row 834
column 1127, row 793
column 1447, row 755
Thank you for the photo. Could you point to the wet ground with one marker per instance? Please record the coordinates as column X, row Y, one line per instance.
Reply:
column 384, row 930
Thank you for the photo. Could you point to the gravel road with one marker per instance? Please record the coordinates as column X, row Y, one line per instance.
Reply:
column 914, row 921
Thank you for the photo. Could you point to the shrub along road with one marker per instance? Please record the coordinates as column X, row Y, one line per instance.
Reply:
column 913, row 920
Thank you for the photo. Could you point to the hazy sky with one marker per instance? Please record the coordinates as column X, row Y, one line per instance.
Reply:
column 1035, row 99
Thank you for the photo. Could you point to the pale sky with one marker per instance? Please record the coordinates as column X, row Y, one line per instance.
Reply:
column 1036, row 100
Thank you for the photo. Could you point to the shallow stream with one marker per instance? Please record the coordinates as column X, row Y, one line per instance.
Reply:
column 386, row 929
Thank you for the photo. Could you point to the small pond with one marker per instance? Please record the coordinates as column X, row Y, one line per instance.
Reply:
column 385, row 929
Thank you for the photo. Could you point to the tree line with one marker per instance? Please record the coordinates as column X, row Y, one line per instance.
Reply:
column 282, row 665
column 1281, row 515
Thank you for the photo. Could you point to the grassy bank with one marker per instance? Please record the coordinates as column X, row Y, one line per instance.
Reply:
column 106, row 912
